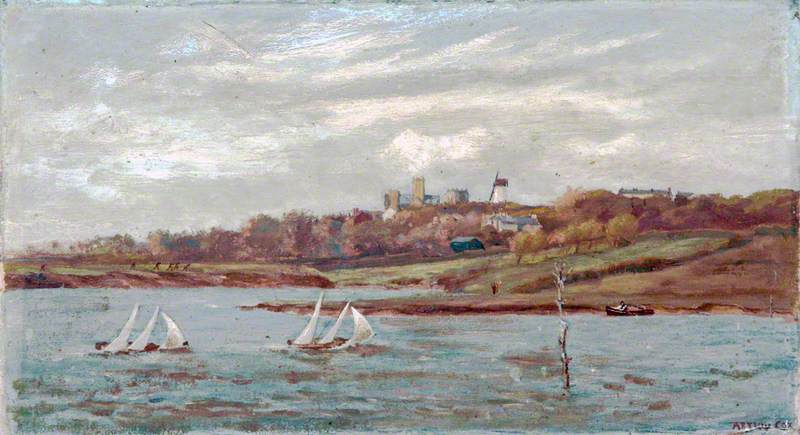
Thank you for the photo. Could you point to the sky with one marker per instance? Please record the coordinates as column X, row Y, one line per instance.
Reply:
column 126, row 119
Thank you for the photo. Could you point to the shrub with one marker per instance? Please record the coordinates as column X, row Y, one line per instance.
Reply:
column 622, row 229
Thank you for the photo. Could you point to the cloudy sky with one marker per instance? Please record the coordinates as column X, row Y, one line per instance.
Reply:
column 132, row 118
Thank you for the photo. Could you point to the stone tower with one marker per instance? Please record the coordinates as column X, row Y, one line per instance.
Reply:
column 392, row 200
column 418, row 192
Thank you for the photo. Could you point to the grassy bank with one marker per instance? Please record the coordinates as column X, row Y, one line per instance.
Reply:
column 475, row 275
column 235, row 275
column 715, row 276
column 708, row 271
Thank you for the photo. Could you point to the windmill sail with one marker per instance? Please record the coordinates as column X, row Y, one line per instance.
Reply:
column 141, row 341
column 361, row 329
column 121, row 342
column 175, row 337
column 307, row 336
column 332, row 332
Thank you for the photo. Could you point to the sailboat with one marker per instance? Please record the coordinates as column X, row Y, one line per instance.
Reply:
column 174, row 342
column 362, row 331
column 120, row 344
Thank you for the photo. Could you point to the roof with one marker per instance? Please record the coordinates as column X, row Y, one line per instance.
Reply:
column 519, row 220
column 522, row 220
column 501, row 182
column 686, row 194
column 464, row 239
column 643, row 191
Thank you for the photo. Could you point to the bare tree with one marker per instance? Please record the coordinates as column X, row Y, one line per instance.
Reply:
column 559, row 279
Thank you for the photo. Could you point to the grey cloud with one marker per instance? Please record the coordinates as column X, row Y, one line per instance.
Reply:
column 130, row 119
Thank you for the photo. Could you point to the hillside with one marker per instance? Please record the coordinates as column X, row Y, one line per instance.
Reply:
column 706, row 272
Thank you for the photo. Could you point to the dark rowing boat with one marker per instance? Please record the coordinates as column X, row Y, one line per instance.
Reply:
column 629, row 310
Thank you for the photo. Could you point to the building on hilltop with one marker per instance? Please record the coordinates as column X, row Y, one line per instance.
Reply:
column 418, row 196
column 394, row 200
column 644, row 193
column 418, row 191
column 503, row 222
column 358, row 216
column 455, row 196
column 391, row 200
column 397, row 201
column 499, row 190
column 682, row 198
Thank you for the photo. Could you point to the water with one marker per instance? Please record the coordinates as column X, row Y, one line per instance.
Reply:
column 662, row 373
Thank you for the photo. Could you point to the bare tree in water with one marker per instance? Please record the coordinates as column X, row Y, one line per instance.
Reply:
column 559, row 279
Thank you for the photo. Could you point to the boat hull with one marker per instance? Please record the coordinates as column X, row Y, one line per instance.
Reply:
column 611, row 311
column 185, row 349
column 151, row 347
column 318, row 347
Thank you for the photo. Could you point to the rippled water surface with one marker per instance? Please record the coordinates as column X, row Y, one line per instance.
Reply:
column 661, row 373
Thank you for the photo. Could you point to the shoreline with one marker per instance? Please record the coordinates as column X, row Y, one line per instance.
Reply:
column 148, row 280
column 476, row 306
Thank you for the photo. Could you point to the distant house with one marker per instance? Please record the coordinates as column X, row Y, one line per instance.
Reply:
column 645, row 193
column 461, row 244
column 455, row 196
column 504, row 222
column 389, row 214
column 682, row 198
column 360, row 216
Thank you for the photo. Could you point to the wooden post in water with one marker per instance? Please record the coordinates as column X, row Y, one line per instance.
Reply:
column 559, row 280
column 770, row 305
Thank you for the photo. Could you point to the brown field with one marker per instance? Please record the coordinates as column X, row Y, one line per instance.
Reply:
column 747, row 276
column 738, row 278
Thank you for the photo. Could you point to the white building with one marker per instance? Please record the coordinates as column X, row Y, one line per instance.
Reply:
column 645, row 193
column 504, row 222
column 389, row 214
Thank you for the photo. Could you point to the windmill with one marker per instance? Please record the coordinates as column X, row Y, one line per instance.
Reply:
column 494, row 183
column 499, row 190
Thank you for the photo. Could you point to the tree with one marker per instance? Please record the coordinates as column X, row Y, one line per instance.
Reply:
column 296, row 234
column 262, row 236
column 159, row 242
column 571, row 235
column 527, row 243
column 622, row 229
column 569, row 200
column 589, row 231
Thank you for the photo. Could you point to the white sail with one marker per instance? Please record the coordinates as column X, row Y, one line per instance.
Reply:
column 361, row 329
column 141, row 341
column 335, row 328
column 175, row 337
column 121, row 342
column 307, row 336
